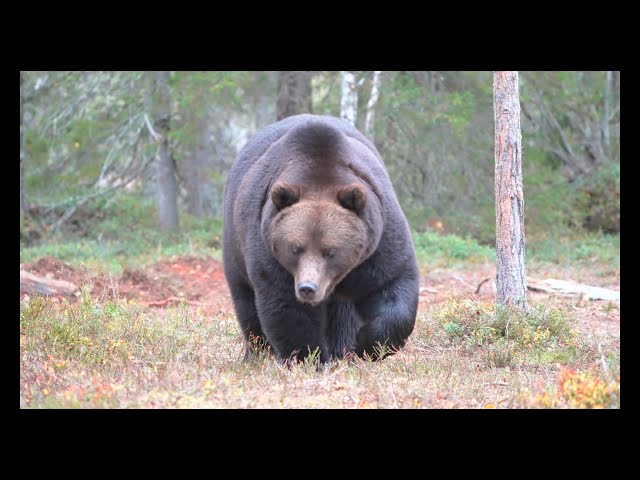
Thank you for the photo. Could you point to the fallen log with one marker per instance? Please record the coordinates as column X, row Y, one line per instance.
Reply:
column 564, row 287
column 31, row 283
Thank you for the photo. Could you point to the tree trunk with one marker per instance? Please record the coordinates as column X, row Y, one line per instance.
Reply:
column 608, row 81
column 371, row 106
column 510, row 239
column 167, row 189
column 196, row 177
column 294, row 94
column 349, row 98
column 23, row 203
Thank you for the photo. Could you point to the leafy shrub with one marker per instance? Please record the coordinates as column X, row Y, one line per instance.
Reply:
column 597, row 198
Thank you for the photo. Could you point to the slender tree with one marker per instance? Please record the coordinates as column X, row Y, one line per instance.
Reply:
column 294, row 94
column 196, row 162
column 510, row 238
column 22, row 196
column 371, row 106
column 349, row 98
column 167, row 188
column 606, row 99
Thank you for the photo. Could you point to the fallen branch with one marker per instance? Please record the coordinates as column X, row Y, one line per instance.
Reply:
column 166, row 301
column 31, row 283
column 497, row 384
column 428, row 290
column 563, row 287
column 482, row 283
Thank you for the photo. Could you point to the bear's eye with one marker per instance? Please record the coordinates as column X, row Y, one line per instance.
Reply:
column 329, row 253
column 297, row 250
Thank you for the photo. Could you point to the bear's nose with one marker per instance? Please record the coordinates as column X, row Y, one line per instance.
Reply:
column 307, row 289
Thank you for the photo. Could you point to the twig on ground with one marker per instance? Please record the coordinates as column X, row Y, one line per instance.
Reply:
column 482, row 283
column 428, row 290
column 162, row 303
column 498, row 384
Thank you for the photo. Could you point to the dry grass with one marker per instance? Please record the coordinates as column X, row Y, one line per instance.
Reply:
column 462, row 354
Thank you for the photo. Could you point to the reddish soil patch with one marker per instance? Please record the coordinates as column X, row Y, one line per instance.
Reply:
column 52, row 268
column 201, row 282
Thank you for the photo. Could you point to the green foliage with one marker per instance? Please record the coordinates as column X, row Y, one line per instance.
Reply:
column 597, row 198
column 440, row 162
column 555, row 204
column 547, row 205
column 437, row 250
column 459, row 111
column 196, row 94
column 508, row 336
column 103, row 243
column 575, row 248
column 325, row 93
column 77, row 125
column 433, row 129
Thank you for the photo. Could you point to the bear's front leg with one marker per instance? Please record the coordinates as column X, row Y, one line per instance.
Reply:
column 388, row 317
column 294, row 330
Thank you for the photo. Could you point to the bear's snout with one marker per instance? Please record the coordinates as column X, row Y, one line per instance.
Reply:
column 307, row 289
column 309, row 292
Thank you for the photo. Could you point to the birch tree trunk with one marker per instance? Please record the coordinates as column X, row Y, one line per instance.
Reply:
column 371, row 106
column 294, row 94
column 23, row 204
column 167, row 188
column 510, row 239
column 349, row 98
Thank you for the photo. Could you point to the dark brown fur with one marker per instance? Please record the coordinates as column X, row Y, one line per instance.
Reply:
column 308, row 203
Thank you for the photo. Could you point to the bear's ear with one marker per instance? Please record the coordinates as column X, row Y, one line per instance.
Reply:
column 353, row 197
column 284, row 195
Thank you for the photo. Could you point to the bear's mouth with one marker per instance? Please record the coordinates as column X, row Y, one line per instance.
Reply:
column 311, row 304
column 311, row 301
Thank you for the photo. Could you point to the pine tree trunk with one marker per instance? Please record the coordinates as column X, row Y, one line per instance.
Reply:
column 23, row 203
column 167, row 190
column 349, row 98
column 195, row 169
column 371, row 106
column 294, row 94
column 510, row 238
column 608, row 81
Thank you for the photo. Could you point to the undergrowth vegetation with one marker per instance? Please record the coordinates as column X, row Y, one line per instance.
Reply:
column 110, row 236
column 118, row 353
column 92, row 354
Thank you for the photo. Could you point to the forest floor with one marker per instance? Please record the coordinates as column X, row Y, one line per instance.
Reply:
column 165, row 336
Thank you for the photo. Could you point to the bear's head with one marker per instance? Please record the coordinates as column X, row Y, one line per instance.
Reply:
column 319, row 237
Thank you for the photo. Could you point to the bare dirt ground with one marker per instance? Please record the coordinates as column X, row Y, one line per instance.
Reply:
column 201, row 282
column 151, row 366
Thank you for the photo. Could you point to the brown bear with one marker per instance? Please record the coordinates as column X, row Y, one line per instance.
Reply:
column 317, row 251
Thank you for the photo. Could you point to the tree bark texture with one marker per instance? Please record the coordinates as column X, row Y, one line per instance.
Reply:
column 294, row 94
column 608, row 81
column 165, row 169
column 371, row 106
column 349, row 98
column 23, row 203
column 196, row 171
column 510, row 237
